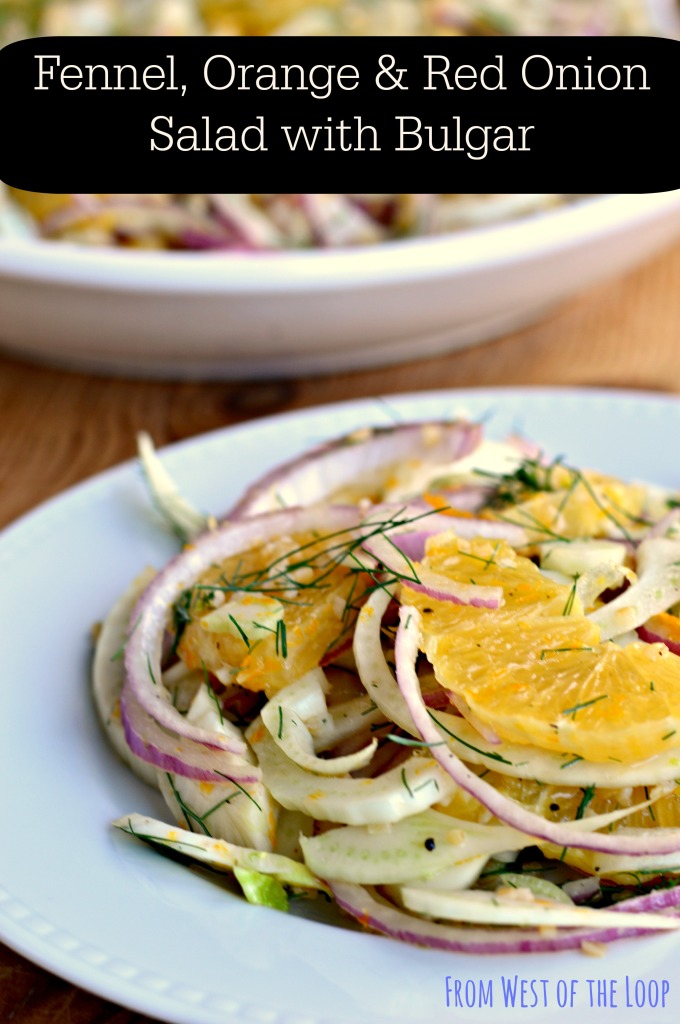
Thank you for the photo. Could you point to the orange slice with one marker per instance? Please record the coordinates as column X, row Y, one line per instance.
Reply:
column 577, row 504
column 319, row 600
column 534, row 671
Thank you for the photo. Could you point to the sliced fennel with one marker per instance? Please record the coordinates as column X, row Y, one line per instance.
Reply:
column 108, row 674
column 374, row 672
column 419, row 846
column 575, row 557
column 248, row 616
column 240, row 813
column 217, row 853
column 283, row 716
column 476, row 906
column 400, row 792
column 459, row 876
column 606, row 576
column 186, row 521
column 205, row 711
column 540, row 888
column 522, row 762
column 656, row 590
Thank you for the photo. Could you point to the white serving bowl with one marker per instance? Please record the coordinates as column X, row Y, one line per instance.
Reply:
column 232, row 316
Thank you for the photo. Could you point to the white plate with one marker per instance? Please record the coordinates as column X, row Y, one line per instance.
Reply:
column 230, row 316
column 115, row 917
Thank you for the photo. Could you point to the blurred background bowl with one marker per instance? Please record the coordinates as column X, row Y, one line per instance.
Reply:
column 233, row 316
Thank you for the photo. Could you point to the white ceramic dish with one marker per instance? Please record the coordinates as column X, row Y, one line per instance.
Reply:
column 230, row 316
column 114, row 916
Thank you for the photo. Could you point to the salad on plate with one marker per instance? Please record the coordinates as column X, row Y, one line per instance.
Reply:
column 432, row 677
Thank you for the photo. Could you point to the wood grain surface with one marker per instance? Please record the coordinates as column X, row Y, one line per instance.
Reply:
column 58, row 428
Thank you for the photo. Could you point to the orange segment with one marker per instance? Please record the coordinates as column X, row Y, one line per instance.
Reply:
column 576, row 504
column 566, row 803
column 538, row 676
column 320, row 602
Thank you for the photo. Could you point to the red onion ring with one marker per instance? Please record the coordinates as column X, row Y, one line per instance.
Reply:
column 650, row 636
column 467, row 498
column 358, row 902
column 327, row 468
column 407, row 647
column 150, row 617
column 663, row 525
column 175, row 754
column 386, row 548
column 412, row 542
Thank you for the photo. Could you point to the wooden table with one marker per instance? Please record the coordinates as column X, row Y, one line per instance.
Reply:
column 625, row 334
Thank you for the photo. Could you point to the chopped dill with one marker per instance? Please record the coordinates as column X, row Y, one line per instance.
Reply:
column 485, row 753
column 492, row 558
column 530, row 477
column 406, row 741
column 575, row 759
column 569, row 606
column 239, row 786
column 605, row 512
column 181, row 617
column 588, row 794
column 244, row 635
column 211, row 692
column 281, row 639
column 148, row 665
column 405, row 781
column 191, row 815
column 428, row 782
column 565, row 650
column 117, row 655
column 585, row 704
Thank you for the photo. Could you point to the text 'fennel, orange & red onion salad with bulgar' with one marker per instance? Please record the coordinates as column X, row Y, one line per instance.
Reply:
column 432, row 677
column 270, row 222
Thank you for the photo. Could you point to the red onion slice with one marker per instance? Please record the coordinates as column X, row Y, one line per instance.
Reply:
column 176, row 754
column 661, row 528
column 418, row 577
column 465, row 498
column 388, row 532
column 386, row 919
column 150, row 617
column 249, row 227
column 407, row 647
column 654, row 631
column 411, row 541
column 326, row 469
